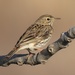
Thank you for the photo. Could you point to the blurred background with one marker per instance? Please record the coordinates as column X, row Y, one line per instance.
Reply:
column 17, row 15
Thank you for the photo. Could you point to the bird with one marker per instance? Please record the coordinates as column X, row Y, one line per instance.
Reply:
column 36, row 36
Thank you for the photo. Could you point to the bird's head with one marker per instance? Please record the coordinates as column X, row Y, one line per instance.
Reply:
column 46, row 20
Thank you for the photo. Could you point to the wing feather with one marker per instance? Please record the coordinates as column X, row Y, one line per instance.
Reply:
column 33, row 31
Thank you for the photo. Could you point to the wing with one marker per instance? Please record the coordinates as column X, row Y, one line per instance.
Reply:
column 29, row 34
column 32, row 32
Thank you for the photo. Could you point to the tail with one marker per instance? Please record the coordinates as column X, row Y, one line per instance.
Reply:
column 11, row 53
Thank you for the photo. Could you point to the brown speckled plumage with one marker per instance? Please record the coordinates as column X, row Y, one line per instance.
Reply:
column 36, row 36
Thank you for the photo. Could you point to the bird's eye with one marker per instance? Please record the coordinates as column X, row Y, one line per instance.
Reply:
column 48, row 19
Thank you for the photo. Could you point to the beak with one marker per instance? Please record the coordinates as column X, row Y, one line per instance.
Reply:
column 57, row 18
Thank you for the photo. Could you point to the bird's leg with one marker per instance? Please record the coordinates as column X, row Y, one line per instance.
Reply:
column 29, row 50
